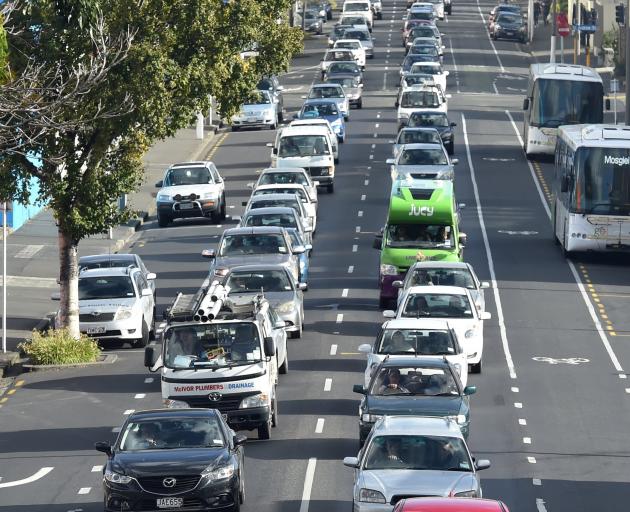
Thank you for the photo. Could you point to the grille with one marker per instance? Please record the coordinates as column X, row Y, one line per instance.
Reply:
column 191, row 197
column 98, row 317
column 225, row 404
column 397, row 497
column 314, row 171
column 191, row 503
column 421, row 193
column 424, row 175
column 155, row 484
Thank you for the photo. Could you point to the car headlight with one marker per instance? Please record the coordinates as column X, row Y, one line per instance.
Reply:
column 210, row 195
column 469, row 333
column 325, row 171
column 116, row 478
column 175, row 404
column 163, row 197
column 371, row 496
column 123, row 314
column 467, row 494
column 497, row 26
column 219, row 473
column 389, row 270
column 258, row 400
column 370, row 418
column 286, row 307
column 460, row 419
column 447, row 136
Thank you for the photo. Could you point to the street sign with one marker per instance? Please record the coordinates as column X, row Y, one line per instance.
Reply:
column 614, row 85
column 564, row 31
column 563, row 25
column 587, row 28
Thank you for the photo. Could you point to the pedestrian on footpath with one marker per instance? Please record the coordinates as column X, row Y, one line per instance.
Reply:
column 536, row 12
column 546, row 9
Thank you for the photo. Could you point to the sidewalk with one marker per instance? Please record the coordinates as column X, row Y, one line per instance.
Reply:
column 32, row 256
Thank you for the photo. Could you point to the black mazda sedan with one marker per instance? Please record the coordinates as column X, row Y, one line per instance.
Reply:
column 174, row 459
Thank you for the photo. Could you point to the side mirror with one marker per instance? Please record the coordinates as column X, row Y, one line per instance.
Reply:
column 104, row 447
column 244, row 203
column 298, row 249
column 446, row 73
column 270, row 347
column 484, row 284
column 463, row 239
column 351, row 462
column 452, row 125
column 146, row 292
column 461, row 206
column 55, row 296
column 390, row 161
column 151, row 276
column 316, row 183
column 455, row 161
column 150, row 356
column 302, row 286
column 308, row 247
column 280, row 324
column 239, row 439
column 208, row 253
column 159, row 184
column 377, row 242
column 480, row 465
column 280, row 88
column 360, row 86
column 485, row 315
column 448, row 96
column 365, row 348
column 269, row 144
column 397, row 284
column 470, row 390
column 526, row 104
column 388, row 313
column 358, row 388
column 607, row 103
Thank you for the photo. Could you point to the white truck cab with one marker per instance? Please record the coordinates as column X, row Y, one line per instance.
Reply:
column 223, row 356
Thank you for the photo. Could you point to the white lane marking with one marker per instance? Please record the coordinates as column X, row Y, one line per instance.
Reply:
column 360, row 214
column 373, row 146
column 375, row 135
column 518, row 405
column 589, row 305
column 366, row 182
column 540, row 505
column 527, row 440
column 522, row 421
column 536, row 481
column 628, row 390
column 308, row 484
column 355, row 248
column 339, row 318
column 139, row 396
column 362, row 197
column 84, row 490
column 376, row 125
column 357, row 229
column 40, row 474
column 148, row 380
column 319, row 426
column 371, row 157
column 97, row 469
column 483, row 21
column 454, row 65
column 128, row 412
column 531, row 460
column 344, row 292
column 350, row 269
column 115, row 430
column 514, row 389
column 622, row 376
column 29, row 251
column 378, row 116
column 493, row 277
column 328, row 384
column 333, row 350
column 494, row 86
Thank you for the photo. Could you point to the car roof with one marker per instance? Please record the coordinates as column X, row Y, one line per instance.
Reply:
column 451, row 290
column 280, row 185
column 327, row 84
column 428, row 63
column 436, row 324
column 107, row 271
column 157, row 414
column 260, row 197
column 304, row 130
column 419, row 129
column 283, row 170
column 410, row 425
column 429, row 111
column 439, row 264
column 315, row 101
column 254, row 230
column 269, row 210
column 423, row 145
column 195, row 163
column 344, row 40
column 440, row 504
column 99, row 258
column 255, row 267
column 416, row 361
column 343, row 75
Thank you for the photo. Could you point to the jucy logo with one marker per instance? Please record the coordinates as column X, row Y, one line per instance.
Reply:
column 424, row 211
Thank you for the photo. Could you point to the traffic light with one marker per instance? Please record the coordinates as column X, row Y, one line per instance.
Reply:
column 620, row 14
column 593, row 16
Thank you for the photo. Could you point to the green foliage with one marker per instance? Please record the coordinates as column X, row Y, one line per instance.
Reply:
column 59, row 347
column 4, row 53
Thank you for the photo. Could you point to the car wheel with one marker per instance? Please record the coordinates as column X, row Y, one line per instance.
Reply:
column 237, row 505
column 330, row 188
column 379, row 16
column 383, row 302
column 360, row 103
column 241, row 490
column 223, row 208
column 281, row 117
column 152, row 330
column 346, row 118
column 274, row 413
column 274, row 125
column 476, row 368
column 235, row 128
column 336, row 160
column 264, row 431
column 144, row 341
column 297, row 334
column 284, row 367
column 163, row 220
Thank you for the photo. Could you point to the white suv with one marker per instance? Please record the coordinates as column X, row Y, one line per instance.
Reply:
column 116, row 304
column 191, row 189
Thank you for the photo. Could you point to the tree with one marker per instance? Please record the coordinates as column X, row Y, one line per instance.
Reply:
column 175, row 54
column 4, row 53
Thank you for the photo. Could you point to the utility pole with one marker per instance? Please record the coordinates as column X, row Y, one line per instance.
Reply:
column 627, row 64
column 304, row 15
column 552, row 52
column 530, row 20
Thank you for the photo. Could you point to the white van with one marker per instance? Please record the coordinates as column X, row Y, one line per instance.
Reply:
column 362, row 7
column 309, row 147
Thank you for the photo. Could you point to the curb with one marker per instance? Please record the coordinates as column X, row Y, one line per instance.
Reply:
column 106, row 359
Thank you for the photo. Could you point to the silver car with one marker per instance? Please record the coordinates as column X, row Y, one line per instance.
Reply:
column 284, row 216
column 416, row 135
column 410, row 456
column 289, row 200
column 333, row 92
column 422, row 161
column 278, row 287
column 285, row 176
column 259, row 110
column 351, row 86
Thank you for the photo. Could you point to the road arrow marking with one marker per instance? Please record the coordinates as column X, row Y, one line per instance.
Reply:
column 40, row 474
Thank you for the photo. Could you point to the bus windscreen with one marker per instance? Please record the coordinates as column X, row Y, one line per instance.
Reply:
column 558, row 102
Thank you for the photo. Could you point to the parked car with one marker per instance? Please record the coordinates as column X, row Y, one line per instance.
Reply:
column 272, row 85
column 260, row 110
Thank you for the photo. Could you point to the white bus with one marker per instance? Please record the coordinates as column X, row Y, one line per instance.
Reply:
column 591, row 190
column 559, row 94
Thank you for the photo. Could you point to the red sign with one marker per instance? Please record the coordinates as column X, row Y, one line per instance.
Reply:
column 563, row 25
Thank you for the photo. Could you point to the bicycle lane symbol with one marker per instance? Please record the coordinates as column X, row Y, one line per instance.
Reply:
column 567, row 360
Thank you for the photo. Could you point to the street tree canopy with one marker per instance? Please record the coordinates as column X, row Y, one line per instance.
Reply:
column 141, row 69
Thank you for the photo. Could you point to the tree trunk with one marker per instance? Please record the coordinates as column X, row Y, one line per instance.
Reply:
column 69, row 283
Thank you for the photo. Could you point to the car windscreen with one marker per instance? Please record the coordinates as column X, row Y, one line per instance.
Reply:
column 327, row 92
column 421, row 15
column 430, row 453
column 257, row 98
column 424, row 49
column 509, row 19
column 342, row 55
column 419, row 235
column 419, row 99
column 357, row 34
column 270, row 219
column 265, row 85
column 418, row 79
column 283, row 178
column 280, row 190
column 303, row 145
column 437, row 305
column 217, row 344
column 410, row 60
column 187, row 176
column 419, row 67
column 419, row 137
column 320, row 109
column 258, row 243
column 255, row 281
column 270, row 203
column 107, row 263
column 356, row 6
column 415, row 380
column 423, row 157
column 106, row 287
column 348, row 83
column 341, row 67
column 171, row 433
column 422, row 342
column 427, row 119
column 442, row 277
column 421, row 32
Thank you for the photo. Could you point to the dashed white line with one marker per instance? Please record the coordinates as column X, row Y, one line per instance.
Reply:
column 128, row 412
column 344, row 292
column 540, row 505
column 319, row 426
column 97, row 469
column 333, row 350
column 376, row 125
column 339, row 318
column 531, row 460
column 308, row 484
column 518, row 405
column 328, row 384
column 527, row 440
column 522, row 421
column 373, row 146
column 627, row 390
column 362, row 197
column 378, row 116
column 355, row 248
column 350, row 269
column 84, row 490
column 148, row 380
column 536, row 481
column 357, row 229
column 514, row 389
column 366, row 182
column 360, row 213
column 139, row 396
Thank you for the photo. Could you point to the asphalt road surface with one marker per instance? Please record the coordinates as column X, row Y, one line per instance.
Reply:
column 552, row 406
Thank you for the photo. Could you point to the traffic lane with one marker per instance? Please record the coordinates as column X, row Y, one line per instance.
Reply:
column 554, row 323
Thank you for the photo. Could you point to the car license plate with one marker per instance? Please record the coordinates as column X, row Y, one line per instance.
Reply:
column 252, row 119
column 225, row 416
column 170, row 502
column 186, row 206
column 509, row 33
column 96, row 330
